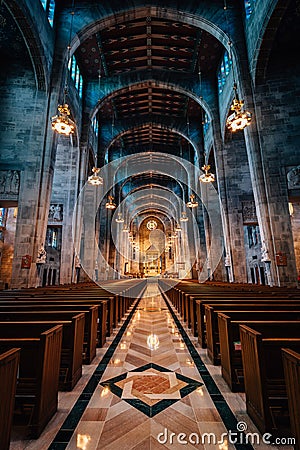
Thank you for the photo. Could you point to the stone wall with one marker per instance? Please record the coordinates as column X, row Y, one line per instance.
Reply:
column 22, row 127
column 7, row 250
column 277, row 109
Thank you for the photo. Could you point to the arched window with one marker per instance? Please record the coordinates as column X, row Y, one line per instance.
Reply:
column 249, row 7
column 95, row 125
column 3, row 216
column 80, row 86
column 77, row 78
column 205, row 124
column 73, row 68
column 51, row 11
column 76, row 75
column 49, row 7
column 224, row 71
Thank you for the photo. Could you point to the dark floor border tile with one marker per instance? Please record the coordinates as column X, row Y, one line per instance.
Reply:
column 67, row 429
column 227, row 416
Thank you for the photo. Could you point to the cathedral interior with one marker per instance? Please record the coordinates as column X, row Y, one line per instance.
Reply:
column 99, row 99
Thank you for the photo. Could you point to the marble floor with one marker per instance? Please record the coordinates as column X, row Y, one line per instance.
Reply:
column 150, row 387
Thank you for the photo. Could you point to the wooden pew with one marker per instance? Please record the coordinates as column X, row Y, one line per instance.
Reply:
column 37, row 380
column 73, row 298
column 9, row 363
column 181, row 293
column 72, row 344
column 266, row 396
column 226, row 298
column 230, row 345
column 70, row 303
column 41, row 312
column 185, row 293
column 119, row 296
column 201, row 304
column 189, row 297
column 291, row 364
column 244, row 312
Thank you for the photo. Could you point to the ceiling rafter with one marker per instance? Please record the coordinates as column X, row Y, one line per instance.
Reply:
column 105, row 69
column 196, row 51
column 101, row 53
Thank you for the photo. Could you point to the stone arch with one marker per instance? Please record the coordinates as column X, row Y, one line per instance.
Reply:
column 163, row 84
column 266, row 38
column 26, row 25
column 154, row 185
column 131, row 12
column 140, row 202
column 120, row 133
column 125, row 178
column 212, row 21
column 213, row 24
column 155, row 212
column 147, row 187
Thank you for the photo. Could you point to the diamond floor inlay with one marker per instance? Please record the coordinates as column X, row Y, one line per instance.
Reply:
column 150, row 382
column 151, row 388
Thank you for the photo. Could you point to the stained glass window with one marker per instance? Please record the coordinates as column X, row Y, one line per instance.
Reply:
column 52, row 237
column 76, row 75
column 3, row 214
column 206, row 123
column 249, row 7
column 80, row 86
column 44, row 3
column 95, row 125
column 224, row 71
column 73, row 68
column 51, row 12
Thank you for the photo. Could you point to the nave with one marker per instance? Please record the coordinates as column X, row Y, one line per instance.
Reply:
column 149, row 145
column 150, row 382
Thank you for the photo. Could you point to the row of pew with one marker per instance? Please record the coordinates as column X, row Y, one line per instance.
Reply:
column 254, row 334
column 46, row 335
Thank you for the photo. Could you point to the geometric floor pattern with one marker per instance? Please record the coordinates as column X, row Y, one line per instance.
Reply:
column 151, row 388
column 146, row 381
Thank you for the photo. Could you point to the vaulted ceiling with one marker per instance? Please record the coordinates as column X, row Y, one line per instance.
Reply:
column 12, row 45
column 149, row 43
column 138, row 46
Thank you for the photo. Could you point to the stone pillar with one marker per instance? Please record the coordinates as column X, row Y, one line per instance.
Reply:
column 270, row 194
column 64, row 192
column 238, row 188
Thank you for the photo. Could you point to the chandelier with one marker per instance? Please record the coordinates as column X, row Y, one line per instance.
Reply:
column 183, row 217
column 94, row 179
column 192, row 203
column 125, row 229
column 61, row 123
column 239, row 119
column 120, row 219
column 110, row 204
column 207, row 177
column 178, row 227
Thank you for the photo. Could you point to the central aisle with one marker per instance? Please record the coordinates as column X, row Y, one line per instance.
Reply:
column 151, row 339
column 151, row 386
